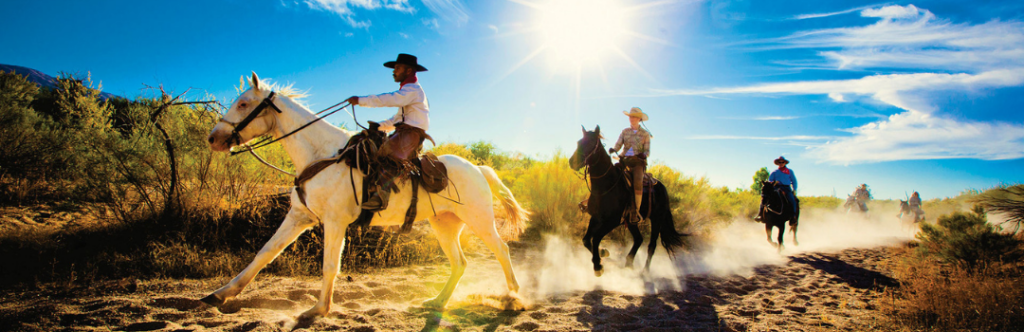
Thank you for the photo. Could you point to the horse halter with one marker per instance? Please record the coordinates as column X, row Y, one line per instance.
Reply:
column 240, row 125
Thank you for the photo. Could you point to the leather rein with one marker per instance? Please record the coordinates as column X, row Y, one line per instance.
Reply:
column 587, row 165
column 237, row 128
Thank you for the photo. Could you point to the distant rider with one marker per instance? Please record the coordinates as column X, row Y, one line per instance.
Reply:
column 409, row 124
column 863, row 195
column 636, row 142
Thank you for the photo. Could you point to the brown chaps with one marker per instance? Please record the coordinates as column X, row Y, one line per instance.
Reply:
column 635, row 167
column 403, row 144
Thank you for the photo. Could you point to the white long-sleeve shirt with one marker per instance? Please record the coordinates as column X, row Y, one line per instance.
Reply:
column 411, row 102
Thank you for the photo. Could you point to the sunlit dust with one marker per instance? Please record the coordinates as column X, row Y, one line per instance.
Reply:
column 577, row 31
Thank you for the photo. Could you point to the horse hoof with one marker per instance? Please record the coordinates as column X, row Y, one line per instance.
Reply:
column 213, row 299
column 313, row 313
column 598, row 272
column 433, row 304
column 604, row 253
column 512, row 302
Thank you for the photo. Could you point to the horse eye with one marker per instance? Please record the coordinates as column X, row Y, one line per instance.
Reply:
column 241, row 105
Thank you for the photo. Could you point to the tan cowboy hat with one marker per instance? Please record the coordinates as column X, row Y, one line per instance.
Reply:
column 636, row 112
column 781, row 160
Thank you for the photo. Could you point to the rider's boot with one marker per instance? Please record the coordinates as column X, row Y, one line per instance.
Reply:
column 760, row 214
column 379, row 200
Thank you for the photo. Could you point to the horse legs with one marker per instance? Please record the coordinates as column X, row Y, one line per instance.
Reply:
column 782, row 232
column 655, row 231
column 768, row 231
column 638, row 239
column 795, row 242
column 294, row 224
column 597, row 251
column 447, row 228
column 334, row 243
column 490, row 236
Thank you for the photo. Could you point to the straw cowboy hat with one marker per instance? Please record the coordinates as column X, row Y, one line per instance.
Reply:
column 781, row 160
column 637, row 112
column 405, row 59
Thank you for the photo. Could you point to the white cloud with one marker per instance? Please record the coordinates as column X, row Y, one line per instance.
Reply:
column 449, row 10
column 761, row 138
column 894, row 89
column 344, row 8
column 891, row 12
column 961, row 57
column 913, row 38
column 916, row 135
column 431, row 23
column 820, row 15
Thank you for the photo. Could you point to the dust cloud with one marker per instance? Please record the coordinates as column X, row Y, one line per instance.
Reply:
column 563, row 265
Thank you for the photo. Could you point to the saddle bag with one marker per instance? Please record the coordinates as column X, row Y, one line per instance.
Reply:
column 433, row 173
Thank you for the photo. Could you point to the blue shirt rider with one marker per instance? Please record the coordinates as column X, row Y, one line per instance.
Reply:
column 786, row 178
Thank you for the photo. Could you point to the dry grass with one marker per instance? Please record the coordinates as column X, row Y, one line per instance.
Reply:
column 937, row 297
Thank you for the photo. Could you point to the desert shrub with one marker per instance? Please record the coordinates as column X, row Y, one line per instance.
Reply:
column 1007, row 200
column 821, row 202
column 698, row 205
column 968, row 240
column 551, row 191
column 940, row 297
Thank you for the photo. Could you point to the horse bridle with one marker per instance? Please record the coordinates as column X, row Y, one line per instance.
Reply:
column 237, row 127
column 782, row 200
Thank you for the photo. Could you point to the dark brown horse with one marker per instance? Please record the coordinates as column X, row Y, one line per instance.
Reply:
column 611, row 195
column 777, row 211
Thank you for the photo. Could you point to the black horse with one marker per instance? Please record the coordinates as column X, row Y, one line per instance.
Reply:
column 610, row 196
column 777, row 211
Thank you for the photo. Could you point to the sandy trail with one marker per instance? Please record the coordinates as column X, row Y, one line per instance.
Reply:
column 808, row 292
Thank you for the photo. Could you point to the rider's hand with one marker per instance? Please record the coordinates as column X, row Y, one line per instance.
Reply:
column 353, row 100
column 387, row 127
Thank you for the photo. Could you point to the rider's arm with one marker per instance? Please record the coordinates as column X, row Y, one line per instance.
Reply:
column 618, row 144
column 792, row 176
column 408, row 94
column 647, row 146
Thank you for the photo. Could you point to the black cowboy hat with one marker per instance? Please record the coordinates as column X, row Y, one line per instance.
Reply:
column 405, row 59
column 781, row 160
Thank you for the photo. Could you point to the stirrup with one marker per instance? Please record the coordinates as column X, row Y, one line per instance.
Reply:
column 377, row 202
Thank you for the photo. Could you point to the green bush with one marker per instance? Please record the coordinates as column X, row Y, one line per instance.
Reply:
column 967, row 239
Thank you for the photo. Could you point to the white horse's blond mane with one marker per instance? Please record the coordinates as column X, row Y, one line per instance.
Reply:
column 266, row 85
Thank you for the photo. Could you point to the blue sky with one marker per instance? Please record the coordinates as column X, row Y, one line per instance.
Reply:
column 903, row 96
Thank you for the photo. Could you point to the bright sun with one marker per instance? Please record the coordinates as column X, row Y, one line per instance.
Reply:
column 578, row 31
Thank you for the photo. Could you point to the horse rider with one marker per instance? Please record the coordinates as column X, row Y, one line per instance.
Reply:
column 784, row 178
column 915, row 201
column 636, row 142
column 863, row 195
column 409, row 124
column 915, row 204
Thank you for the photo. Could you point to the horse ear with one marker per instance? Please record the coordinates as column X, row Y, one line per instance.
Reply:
column 597, row 130
column 255, row 82
column 584, row 129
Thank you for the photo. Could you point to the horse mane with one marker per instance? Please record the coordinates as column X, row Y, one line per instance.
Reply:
column 267, row 85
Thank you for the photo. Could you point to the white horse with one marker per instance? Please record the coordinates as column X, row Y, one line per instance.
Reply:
column 330, row 201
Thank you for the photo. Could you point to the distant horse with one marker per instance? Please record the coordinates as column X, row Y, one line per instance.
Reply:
column 329, row 201
column 852, row 202
column 906, row 209
column 611, row 195
column 777, row 212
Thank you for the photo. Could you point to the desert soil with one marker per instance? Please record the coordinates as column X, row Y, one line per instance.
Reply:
column 816, row 291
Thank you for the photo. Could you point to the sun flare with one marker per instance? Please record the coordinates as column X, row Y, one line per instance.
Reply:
column 577, row 31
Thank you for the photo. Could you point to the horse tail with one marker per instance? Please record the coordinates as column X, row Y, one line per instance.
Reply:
column 671, row 239
column 515, row 215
